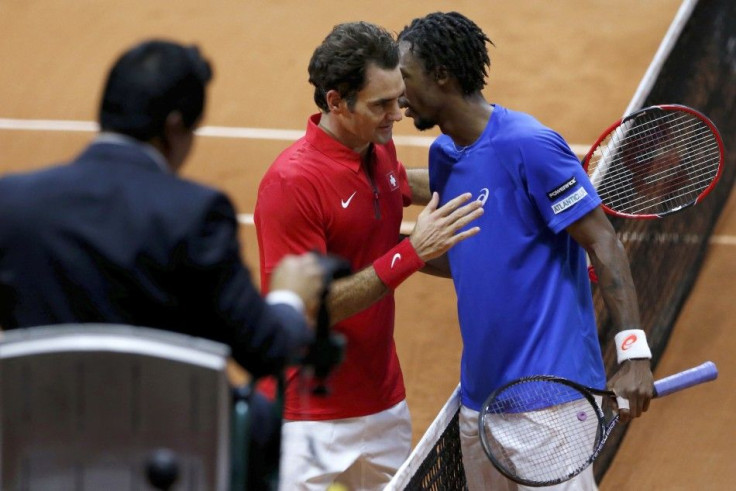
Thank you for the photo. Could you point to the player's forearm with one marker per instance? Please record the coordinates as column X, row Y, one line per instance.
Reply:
column 419, row 184
column 439, row 266
column 617, row 286
column 595, row 233
column 355, row 293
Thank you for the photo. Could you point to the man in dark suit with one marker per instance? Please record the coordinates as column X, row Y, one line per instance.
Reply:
column 116, row 236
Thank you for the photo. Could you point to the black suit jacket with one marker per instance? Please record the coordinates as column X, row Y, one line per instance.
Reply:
column 112, row 237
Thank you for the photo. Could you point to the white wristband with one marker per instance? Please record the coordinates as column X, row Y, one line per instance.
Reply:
column 632, row 343
column 287, row 297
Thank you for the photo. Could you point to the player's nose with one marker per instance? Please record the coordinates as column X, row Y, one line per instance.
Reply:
column 395, row 113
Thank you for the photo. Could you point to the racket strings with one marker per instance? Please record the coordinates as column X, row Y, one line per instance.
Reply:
column 672, row 186
column 656, row 162
column 692, row 136
column 541, row 431
column 669, row 177
column 674, row 148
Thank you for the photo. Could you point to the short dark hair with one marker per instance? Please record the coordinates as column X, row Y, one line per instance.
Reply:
column 452, row 41
column 150, row 81
column 340, row 62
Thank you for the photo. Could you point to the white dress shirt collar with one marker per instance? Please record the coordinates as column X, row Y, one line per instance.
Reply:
column 150, row 150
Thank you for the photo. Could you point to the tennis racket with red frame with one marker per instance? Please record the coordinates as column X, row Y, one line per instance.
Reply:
column 656, row 161
column 544, row 430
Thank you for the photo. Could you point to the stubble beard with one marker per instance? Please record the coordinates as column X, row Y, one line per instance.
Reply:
column 423, row 124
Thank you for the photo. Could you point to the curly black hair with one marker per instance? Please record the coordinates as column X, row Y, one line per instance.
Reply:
column 451, row 41
column 340, row 62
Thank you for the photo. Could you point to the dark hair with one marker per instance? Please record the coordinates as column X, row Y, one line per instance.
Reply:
column 340, row 62
column 149, row 82
column 452, row 41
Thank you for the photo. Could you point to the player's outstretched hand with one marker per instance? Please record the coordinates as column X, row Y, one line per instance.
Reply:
column 438, row 229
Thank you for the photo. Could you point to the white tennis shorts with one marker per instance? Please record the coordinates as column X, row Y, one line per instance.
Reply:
column 482, row 475
column 359, row 453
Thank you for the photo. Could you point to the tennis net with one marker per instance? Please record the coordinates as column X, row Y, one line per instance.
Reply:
column 436, row 462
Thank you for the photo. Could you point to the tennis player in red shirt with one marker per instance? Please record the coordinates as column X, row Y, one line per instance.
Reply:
column 341, row 190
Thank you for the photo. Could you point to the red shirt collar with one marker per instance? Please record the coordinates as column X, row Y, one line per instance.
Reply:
column 330, row 147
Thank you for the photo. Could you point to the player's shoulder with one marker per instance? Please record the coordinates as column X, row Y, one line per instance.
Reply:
column 522, row 130
column 518, row 124
column 442, row 144
column 296, row 169
column 295, row 158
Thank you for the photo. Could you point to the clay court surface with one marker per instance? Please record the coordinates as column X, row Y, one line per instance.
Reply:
column 573, row 64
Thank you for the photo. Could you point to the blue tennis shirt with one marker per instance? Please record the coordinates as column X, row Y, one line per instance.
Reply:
column 524, row 299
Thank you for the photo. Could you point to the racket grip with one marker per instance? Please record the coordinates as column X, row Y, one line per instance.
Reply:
column 687, row 378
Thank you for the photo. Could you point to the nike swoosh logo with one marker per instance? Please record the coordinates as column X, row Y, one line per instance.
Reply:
column 346, row 203
column 397, row 257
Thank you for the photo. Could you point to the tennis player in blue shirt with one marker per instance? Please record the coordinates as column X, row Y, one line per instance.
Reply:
column 524, row 298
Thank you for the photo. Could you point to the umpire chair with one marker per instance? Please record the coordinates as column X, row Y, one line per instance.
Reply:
column 108, row 407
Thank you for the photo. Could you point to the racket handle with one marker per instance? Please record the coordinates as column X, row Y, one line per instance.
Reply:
column 687, row 378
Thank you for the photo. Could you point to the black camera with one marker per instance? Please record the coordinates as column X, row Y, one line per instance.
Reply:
column 326, row 352
column 334, row 266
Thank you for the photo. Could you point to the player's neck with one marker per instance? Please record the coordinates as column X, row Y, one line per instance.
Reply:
column 334, row 130
column 466, row 120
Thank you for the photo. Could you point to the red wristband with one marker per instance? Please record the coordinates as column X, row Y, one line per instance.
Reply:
column 398, row 264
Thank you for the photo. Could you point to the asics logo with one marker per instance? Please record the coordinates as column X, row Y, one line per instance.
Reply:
column 397, row 257
column 483, row 196
column 626, row 344
column 346, row 203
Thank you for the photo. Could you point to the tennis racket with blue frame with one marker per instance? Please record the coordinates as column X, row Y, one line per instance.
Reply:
column 544, row 430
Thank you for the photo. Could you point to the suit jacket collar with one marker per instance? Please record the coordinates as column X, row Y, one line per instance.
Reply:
column 116, row 148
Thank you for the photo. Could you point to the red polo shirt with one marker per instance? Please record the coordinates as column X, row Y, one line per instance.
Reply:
column 317, row 196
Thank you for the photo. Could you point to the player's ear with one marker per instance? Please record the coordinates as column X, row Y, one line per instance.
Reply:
column 441, row 75
column 334, row 101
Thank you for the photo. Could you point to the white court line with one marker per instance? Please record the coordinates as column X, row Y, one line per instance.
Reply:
column 256, row 134
column 212, row 131
column 408, row 226
column 723, row 240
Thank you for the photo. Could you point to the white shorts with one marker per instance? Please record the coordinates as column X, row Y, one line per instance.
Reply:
column 481, row 474
column 359, row 453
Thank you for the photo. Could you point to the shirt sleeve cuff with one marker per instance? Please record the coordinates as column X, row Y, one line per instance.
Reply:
column 287, row 297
